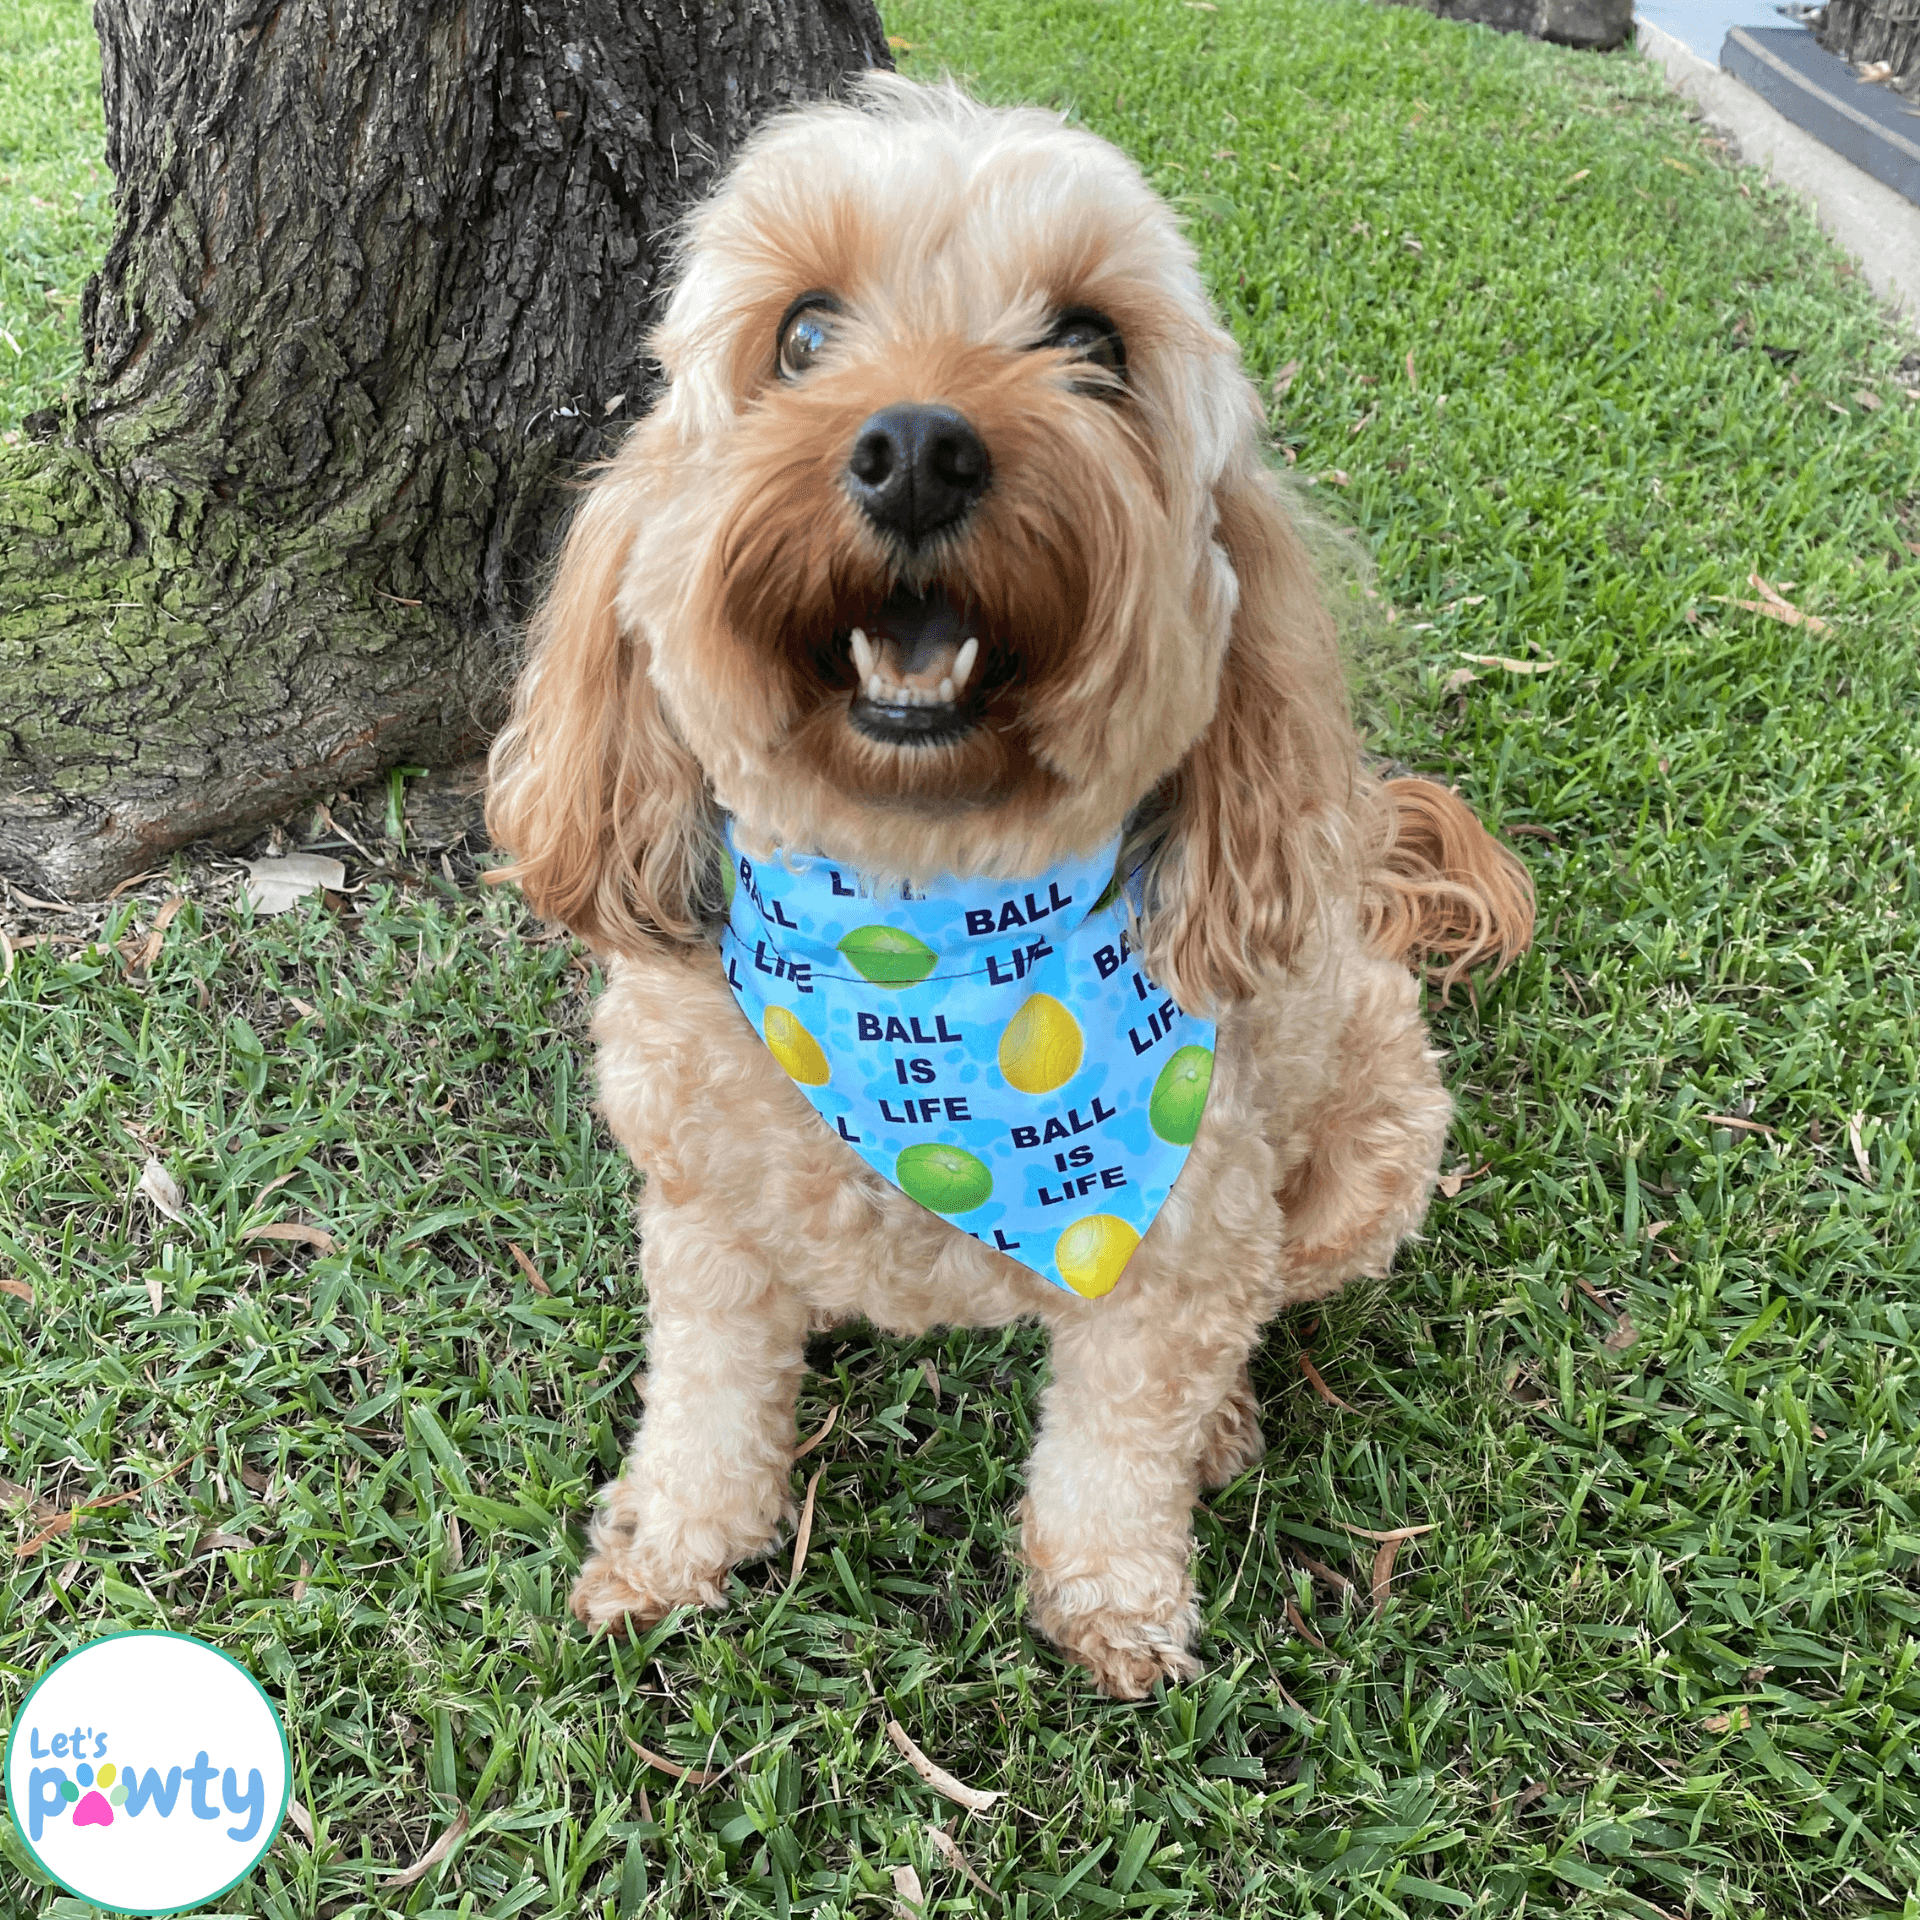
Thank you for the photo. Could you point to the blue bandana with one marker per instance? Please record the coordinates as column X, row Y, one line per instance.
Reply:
column 988, row 1046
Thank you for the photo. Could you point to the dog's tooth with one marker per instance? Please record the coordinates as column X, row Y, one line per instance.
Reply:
column 862, row 653
column 963, row 664
column 946, row 691
column 873, row 688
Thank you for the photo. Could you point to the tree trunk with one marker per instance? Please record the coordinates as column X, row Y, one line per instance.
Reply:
column 1866, row 31
column 380, row 283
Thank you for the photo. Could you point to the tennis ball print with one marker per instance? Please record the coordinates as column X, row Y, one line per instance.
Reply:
column 888, row 956
column 1041, row 1047
column 943, row 1179
column 795, row 1048
column 1091, row 1253
column 1179, row 1096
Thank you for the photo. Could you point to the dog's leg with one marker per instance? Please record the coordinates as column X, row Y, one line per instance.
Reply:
column 706, row 1483
column 1138, row 1408
column 1232, row 1441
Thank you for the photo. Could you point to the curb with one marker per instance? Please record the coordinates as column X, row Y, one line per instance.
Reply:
column 1878, row 226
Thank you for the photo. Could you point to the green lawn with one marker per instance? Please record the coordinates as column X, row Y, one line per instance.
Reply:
column 56, row 195
column 1651, row 1379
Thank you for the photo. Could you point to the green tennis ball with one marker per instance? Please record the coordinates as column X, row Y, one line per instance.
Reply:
column 888, row 956
column 1180, row 1096
column 942, row 1178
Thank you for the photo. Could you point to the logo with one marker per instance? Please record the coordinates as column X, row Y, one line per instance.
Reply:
column 147, row 1772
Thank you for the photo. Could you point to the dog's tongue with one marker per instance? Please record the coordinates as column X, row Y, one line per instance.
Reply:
column 921, row 634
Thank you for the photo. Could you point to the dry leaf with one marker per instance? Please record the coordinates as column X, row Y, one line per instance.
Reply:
column 254, row 1480
column 933, row 1378
column 1624, row 1335
column 974, row 1799
column 1325, row 1574
column 1336, row 478
column 1679, row 166
column 62, row 1523
column 272, row 1186
column 1854, row 1123
column 948, row 1849
column 906, row 1883
column 19, row 1289
column 6, row 956
column 1284, row 379
column 1512, row 666
column 149, row 951
column 456, row 1547
column 134, row 880
column 1572, row 177
column 899, row 46
column 1460, row 677
column 163, row 1190
column 1733, row 1722
column 301, row 1819
column 275, row 885
column 295, row 1230
column 1300, row 1624
column 1734, row 1120
column 806, row 1447
column 1320, row 1387
column 1770, row 603
column 1451, row 1183
column 432, row 1857
column 305, row 1012
column 218, row 1540
column 1383, row 1575
column 804, row 1531
column 156, row 1300
column 1870, row 401
column 693, row 1776
column 1393, row 1533
column 528, row 1268
column 1413, row 379
column 300, row 1584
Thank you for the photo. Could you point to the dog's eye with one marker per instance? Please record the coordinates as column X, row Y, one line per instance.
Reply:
column 1093, row 338
column 804, row 333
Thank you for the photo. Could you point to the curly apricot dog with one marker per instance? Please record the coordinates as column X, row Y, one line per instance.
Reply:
column 945, row 581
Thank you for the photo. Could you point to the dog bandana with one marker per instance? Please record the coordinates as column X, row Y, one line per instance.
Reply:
column 988, row 1046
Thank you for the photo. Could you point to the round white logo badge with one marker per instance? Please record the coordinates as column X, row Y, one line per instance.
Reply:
column 147, row 1772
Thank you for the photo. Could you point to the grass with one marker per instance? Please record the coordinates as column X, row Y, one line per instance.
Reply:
column 1651, row 1378
column 56, row 196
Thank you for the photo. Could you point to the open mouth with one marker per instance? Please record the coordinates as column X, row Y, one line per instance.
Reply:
column 916, row 662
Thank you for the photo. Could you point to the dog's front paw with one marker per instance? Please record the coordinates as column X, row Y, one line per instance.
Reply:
column 620, row 1593
column 1125, row 1656
column 1127, row 1618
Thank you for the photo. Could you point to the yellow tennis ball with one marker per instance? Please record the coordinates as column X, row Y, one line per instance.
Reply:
column 1041, row 1047
column 795, row 1048
column 1092, row 1252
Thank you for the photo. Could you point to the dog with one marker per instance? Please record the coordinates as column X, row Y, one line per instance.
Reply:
column 946, row 567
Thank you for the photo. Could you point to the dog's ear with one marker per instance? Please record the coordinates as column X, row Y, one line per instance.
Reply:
column 1256, row 825
column 588, row 786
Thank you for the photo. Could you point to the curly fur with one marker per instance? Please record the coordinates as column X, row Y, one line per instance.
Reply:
column 1157, row 655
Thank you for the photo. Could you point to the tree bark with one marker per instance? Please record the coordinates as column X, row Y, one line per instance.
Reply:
column 380, row 283
column 1871, row 30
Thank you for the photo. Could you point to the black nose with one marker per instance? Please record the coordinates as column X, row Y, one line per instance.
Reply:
column 914, row 470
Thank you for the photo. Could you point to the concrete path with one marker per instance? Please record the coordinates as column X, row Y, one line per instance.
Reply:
column 1879, row 227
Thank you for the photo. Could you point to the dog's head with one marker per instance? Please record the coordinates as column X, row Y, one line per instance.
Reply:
column 947, row 547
